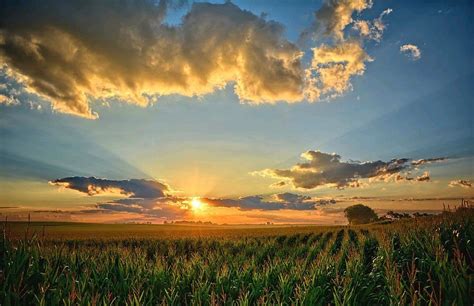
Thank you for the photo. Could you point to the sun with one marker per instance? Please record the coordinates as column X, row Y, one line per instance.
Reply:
column 196, row 204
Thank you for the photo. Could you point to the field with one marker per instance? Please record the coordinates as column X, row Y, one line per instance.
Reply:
column 420, row 261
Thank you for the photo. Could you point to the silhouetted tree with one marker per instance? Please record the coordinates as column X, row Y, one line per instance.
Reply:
column 360, row 214
column 420, row 215
column 397, row 216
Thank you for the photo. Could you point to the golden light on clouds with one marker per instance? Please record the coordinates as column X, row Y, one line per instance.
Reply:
column 143, row 58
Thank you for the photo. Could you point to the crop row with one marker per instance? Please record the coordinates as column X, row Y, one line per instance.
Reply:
column 422, row 265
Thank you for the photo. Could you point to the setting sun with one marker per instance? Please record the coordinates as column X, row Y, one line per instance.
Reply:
column 196, row 204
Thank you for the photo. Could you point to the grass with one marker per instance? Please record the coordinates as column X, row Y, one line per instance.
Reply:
column 426, row 261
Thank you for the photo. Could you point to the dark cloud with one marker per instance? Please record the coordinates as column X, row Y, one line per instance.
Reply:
column 146, row 197
column 425, row 177
column 156, row 209
column 276, row 202
column 278, row 184
column 246, row 203
column 137, row 188
column 420, row 162
column 120, row 207
column 291, row 197
column 332, row 18
column 328, row 169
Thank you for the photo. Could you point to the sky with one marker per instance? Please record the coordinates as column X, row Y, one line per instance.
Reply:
column 234, row 112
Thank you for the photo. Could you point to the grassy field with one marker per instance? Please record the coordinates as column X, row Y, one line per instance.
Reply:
column 419, row 261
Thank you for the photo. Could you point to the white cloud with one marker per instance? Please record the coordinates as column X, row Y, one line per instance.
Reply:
column 411, row 51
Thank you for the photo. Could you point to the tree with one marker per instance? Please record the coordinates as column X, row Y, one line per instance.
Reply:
column 360, row 214
column 397, row 216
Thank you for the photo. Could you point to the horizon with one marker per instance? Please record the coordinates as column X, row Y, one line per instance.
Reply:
column 25, row 217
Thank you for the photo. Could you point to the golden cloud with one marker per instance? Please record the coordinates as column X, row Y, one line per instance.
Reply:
column 372, row 29
column 333, row 66
column 328, row 170
column 335, row 16
column 72, row 53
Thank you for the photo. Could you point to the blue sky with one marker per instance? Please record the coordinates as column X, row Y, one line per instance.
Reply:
column 208, row 145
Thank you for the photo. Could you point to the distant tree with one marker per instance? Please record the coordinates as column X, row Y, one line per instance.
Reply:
column 360, row 214
column 397, row 216
column 420, row 215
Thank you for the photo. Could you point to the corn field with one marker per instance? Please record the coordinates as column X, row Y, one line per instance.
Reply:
column 417, row 262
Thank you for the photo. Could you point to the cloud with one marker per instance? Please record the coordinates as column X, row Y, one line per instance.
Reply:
column 280, row 201
column 411, row 51
column 334, row 64
column 420, row 162
column 335, row 15
column 8, row 100
column 10, row 91
column 149, row 198
column 120, row 207
column 71, row 53
column 155, row 209
column 137, row 188
column 279, row 184
column 291, row 197
column 372, row 29
column 325, row 169
column 425, row 177
column 460, row 183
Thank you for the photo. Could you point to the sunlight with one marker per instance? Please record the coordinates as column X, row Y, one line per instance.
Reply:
column 196, row 204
